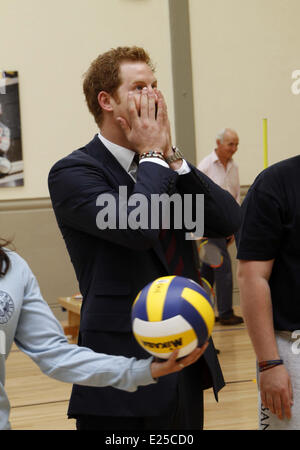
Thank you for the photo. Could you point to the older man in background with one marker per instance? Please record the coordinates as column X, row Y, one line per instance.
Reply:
column 220, row 167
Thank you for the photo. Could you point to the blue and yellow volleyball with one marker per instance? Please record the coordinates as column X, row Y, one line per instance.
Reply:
column 171, row 313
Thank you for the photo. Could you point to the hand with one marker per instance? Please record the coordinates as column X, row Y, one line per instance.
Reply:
column 168, row 147
column 230, row 240
column 171, row 365
column 146, row 130
column 276, row 391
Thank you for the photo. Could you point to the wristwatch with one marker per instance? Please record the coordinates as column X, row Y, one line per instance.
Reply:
column 175, row 157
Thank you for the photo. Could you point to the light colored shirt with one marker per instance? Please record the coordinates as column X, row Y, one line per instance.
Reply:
column 125, row 158
column 227, row 178
column 27, row 320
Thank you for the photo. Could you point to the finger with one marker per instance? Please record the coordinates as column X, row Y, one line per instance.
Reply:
column 200, row 350
column 162, row 114
column 286, row 407
column 164, row 118
column 137, row 100
column 144, row 113
column 132, row 109
column 151, row 104
column 194, row 356
column 269, row 403
column 287, row 402
column 278, row 407
column 204, row 347
column 291, row 393
column 124, row 125
column 172, row 359
column 263, row 399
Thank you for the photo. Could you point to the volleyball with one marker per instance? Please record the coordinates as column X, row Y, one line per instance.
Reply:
column 172, row 313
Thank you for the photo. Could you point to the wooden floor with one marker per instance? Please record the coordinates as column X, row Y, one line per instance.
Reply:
column 40, row 403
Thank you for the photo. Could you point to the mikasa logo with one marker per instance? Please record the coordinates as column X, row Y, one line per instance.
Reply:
column 169, row 344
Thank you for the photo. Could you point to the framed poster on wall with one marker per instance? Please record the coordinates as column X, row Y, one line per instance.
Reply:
column 11, row 157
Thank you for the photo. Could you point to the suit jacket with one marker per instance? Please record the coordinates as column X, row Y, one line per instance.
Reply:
column 113, row 265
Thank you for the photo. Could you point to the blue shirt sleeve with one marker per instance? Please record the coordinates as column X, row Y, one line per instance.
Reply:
column 40, row 336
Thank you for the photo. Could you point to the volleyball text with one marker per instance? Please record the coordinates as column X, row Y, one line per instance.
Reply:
column 169, row 344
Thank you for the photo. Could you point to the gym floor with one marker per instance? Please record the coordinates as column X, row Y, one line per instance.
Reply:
column 40, row 403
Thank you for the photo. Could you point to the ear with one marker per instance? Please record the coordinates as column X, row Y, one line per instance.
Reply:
column 104, row 100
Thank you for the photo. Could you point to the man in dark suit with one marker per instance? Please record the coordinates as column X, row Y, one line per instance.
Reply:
column 114, row 263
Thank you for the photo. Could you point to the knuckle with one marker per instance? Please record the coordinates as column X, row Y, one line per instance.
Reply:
column 145, row 124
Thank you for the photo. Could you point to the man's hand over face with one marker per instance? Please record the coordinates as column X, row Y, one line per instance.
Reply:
column 147, row 129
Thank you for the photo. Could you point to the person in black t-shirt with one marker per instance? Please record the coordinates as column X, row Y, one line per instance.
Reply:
column 268, row 249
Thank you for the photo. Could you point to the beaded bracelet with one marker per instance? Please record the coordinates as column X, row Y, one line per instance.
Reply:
column 266, row 365
column 152, row 154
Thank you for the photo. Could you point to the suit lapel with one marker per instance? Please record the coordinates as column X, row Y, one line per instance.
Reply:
column 97, row 150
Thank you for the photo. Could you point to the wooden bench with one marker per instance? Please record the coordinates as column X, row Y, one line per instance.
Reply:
column 73, row 306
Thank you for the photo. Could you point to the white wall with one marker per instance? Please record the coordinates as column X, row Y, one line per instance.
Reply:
column 51, row 43
column 244, row 53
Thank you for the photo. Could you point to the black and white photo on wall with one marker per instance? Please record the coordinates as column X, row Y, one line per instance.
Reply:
column 11, row 157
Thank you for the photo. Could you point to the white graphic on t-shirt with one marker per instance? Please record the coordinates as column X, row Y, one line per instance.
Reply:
column 7, row 307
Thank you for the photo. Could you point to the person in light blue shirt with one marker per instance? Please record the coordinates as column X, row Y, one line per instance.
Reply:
column 27, row 320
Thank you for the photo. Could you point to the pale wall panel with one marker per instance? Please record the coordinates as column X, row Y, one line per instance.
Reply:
column 36, row 237
column 243, row 54
column 51, row 43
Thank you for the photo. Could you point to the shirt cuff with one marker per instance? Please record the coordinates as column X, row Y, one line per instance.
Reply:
column 141, row 371
column 181, row 171
column 184, row 168
column 155, row 160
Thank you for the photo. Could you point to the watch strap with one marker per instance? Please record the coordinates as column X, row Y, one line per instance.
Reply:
column 175, row 157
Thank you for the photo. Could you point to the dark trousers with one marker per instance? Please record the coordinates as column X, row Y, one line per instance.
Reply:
column 181, row 416
column 222, row 276
column 122, row 423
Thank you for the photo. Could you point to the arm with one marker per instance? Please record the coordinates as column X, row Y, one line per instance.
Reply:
column 275, row 386
column 41, row 337
column 85, row 200
column 222, row 214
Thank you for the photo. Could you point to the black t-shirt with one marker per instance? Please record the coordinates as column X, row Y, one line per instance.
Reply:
column 271, row 230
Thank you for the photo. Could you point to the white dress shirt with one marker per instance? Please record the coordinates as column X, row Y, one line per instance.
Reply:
column 227, row 178
column 125, row 158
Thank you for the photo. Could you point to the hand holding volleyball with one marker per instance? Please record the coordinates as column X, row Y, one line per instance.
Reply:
column 173, row 364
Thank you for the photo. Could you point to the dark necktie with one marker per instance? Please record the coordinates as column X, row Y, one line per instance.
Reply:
column 172, row 251
column 134, row 167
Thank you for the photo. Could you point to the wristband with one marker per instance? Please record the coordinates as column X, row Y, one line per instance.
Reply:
column 152, row 154
column 266, row 365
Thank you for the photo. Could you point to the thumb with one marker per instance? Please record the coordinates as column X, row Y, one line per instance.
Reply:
column 173, row 356
column 123, row 124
